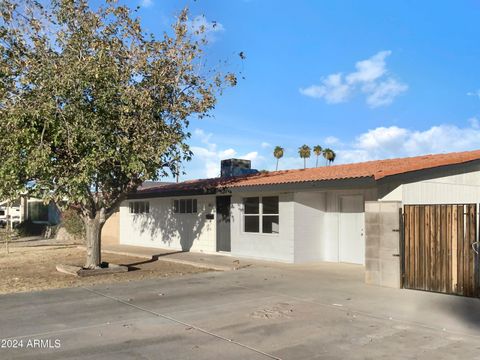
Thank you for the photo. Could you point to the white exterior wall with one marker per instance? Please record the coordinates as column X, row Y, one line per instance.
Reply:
column 316, row 224
column 396, row 194
column 308, row 228
column 309, row 219
column 277, row 247
column 164, row 229
column 12, row 213
column 454, row 189
column 310, row 213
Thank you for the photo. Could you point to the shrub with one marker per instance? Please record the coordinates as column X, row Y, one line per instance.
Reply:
column 72, row 222
column 28, row 228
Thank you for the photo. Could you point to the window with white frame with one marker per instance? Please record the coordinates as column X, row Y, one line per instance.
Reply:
column 261, row 215
column 139, row 207
column 185, row 206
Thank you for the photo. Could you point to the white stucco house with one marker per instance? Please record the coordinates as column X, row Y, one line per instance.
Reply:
column 32, row 209
column 296, row 216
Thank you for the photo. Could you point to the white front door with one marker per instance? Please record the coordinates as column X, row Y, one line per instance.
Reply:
column 351, row 232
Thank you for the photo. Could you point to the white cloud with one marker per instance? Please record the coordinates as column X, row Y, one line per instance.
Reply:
column 203, row 137
column 206, row 159
column 333, row 89
column 250, row 156
column 265, row 145
column 207, row 156
column 386, row 140
column 474, row 122
column 383, row 93
column 393, row 141
column 474, row 93
column 331, row 140
column 146, row 3
column 378, row 143
column 200, row 26
column 371, row 78
column 369, row 70
column 228, row 153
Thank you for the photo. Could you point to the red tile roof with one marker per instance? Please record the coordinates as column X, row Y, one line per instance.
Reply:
column 153, row 184
column 376, row 170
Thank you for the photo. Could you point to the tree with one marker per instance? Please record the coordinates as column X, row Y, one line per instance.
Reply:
column 329, row 155
column 317, row 149
column 278, row 153
column 91, row 106
column 304, row 151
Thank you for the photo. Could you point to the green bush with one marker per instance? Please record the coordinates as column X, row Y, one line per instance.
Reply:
column 28, row 228
column 72, row 222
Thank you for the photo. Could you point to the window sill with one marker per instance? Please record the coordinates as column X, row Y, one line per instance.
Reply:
column 260, row 234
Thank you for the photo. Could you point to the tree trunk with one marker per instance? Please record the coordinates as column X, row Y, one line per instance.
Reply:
column 276, row 169
column 93, row 231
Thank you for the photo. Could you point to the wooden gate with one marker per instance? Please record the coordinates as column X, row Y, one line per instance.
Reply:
column 438, row 248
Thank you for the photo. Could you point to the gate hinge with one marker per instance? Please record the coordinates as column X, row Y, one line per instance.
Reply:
column 397, row 255
column 396, row 230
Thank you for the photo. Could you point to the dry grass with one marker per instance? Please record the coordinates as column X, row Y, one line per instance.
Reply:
column 33, row 268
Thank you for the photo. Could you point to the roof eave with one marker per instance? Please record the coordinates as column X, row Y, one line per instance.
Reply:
column 432, row 172
column 357, row 182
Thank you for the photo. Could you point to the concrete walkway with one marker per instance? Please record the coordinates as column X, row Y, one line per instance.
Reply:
column 321, row 311
column 208, row 261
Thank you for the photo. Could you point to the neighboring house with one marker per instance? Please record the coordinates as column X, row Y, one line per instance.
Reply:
column 40, row 213
column 10, row 212
column 30, row 209
column 300, row 216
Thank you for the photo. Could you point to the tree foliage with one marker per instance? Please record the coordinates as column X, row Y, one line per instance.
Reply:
column 91, row 105
column 278, row 154
column 317, row 150
column 304, row 151
column 73, row 224
column 329, row 155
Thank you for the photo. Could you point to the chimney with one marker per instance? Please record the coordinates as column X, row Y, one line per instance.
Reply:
column 236, row 167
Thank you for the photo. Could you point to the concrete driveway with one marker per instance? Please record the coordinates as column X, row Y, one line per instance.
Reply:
column 262, row 312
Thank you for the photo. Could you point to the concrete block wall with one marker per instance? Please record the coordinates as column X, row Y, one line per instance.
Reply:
column 382, row 241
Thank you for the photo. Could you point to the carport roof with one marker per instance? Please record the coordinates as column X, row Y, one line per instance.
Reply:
column 375, row 170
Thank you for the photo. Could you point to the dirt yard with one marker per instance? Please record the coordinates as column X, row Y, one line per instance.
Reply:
column 32, row 268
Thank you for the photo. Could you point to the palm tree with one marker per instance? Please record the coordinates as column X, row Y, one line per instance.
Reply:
column 278, row 153
column 329, row 155
column 317, row 149
column 304, row 151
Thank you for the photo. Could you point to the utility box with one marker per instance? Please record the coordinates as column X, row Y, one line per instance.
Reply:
column 236, row 167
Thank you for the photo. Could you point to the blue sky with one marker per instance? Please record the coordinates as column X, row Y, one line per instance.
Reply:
column 370, row 79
